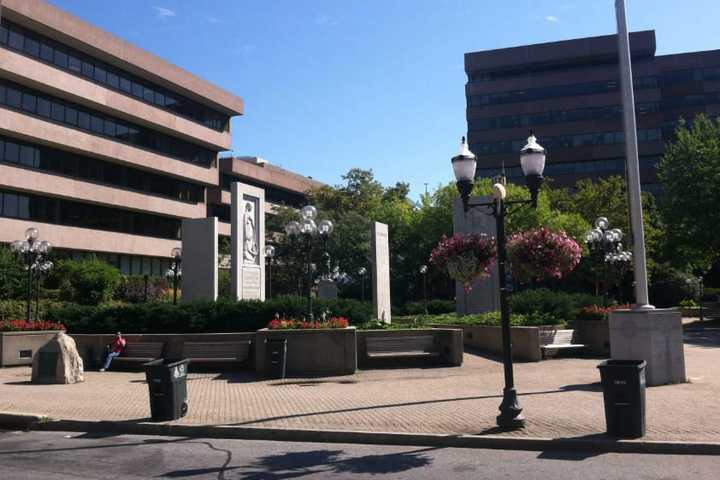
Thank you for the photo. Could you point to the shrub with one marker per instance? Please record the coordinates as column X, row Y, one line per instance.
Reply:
column 132, row 289
column 294, row 324
column 13, row 278
column 89, row 282
column 690, row 303
column 549, row 306
column 488, row 318
column 597, row 312
column 711, row 294
column 24, row 325
column 434, row 307
column 13, row 309
column 670, row 286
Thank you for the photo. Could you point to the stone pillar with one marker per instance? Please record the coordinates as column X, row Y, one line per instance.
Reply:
column 327, row 290
column 381, row 272
column 247, row 227
column 199, row 259
column 485, row 294
column 655, row 336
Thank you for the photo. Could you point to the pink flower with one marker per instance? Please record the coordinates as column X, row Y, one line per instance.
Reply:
column 542, row 254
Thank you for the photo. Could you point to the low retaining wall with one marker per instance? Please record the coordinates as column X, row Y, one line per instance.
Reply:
column 448, row 340
column 525, row 340
column 18, row 348
column 594, row 334
column 92, row 346
column 311, row 352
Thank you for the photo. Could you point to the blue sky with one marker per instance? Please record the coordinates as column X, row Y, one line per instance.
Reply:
column 334, row 84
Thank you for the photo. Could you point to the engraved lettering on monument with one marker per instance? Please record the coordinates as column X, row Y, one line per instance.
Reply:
column 251, row 282
column 250, row 241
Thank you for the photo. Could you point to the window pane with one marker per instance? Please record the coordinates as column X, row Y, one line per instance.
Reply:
column 27, row 156
column 137, row 89
column 43, row 107
column 61, row 59
column 23, row 206
column 109, row 128
column 29, row 102
column 113, row 80
column 12, row 152
column 87, row 69
column 10, row 205
column 2, row 94
column 71, row 115
column 16, row 40
column 46, row 52
column 74, row 64
column 125, row 84
column 58, row 112
column 100, row 74
column 149, row 95
column 84, row 120
column 96, row 124
column 13, row 98
column 32, row 47
column 3, row 34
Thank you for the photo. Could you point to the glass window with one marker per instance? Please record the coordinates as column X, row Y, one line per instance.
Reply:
column 100, row 74
column 29, row 102
column 3, row 34
column 12, row 152
column 125, row 265
column 84, row 120
column 27, row 156
column 57, row 112
column 113, row 80
column 61, row 59
column 71, row 115
column 96, row 124
column 110, row 128
column 121, row 132
column 10, row 205
column 46, row 52
column 87, row 69
column 15, row 40
column 43, row 107
column 74, row 64
column 23, row 206
column 148, row 94
column 137, row 89
column 13, row 97
column 125, row 84
column 2, row 94
column 32, row 47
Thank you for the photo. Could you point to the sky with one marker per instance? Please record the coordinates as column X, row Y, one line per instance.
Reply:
column 330, row 85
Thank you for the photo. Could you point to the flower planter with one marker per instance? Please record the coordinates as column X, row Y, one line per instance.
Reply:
column 595, row 335
column 18, row 348
column 312, row 352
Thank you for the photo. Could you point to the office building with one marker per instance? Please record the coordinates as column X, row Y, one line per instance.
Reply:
column 568, row 93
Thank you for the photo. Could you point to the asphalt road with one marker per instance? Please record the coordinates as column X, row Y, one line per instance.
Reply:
column 55, row 455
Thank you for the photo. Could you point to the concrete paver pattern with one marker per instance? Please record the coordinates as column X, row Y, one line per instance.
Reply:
column 561, row 398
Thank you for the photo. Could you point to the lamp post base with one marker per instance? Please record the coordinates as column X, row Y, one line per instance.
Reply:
column 510, row 417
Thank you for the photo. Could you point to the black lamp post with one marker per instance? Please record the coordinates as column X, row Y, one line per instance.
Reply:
column 175, row 271
column 269, row 255
column 308, row 232
column 34, row 255
column 423, row 272
column 604, row 244
column 532, row 161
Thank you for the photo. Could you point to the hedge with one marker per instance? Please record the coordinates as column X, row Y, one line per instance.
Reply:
column 199, row 316
column 546, row 307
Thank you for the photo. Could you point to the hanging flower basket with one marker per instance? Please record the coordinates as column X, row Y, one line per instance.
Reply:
column 466, row 258
column 542, row 254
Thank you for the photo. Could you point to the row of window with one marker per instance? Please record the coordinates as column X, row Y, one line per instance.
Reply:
column 694, row 75
column 127, row 264
column 71, row 60
column 31, row 101
column 77, row 166
column 272, row 194
column 603, row 167
column 566, row 141
column 85, row 215
column 555, row 91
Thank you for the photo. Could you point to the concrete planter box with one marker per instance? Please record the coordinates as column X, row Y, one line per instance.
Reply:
column 595, row 335
column 18, row 348
column 449, row 342
column 312, row 352
column 92, row 346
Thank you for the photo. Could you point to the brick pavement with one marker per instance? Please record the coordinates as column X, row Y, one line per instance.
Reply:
column 561, row 398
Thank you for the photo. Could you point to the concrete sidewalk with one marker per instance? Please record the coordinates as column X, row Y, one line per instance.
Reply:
column 561, row 398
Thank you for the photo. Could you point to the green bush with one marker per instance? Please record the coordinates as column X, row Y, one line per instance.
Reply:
column 17, row 309
column 200, row 316
column 711, row 294
column 13, row 277
column 544, row 306
column 670, row 286
column 434, row 307
column 489, row 319
column 132, row 289
column 89, row 282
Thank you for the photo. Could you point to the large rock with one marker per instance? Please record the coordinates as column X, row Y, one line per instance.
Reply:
column 58, row 361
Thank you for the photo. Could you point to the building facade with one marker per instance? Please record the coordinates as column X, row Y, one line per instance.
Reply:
column 568, row 93
column 104, row 147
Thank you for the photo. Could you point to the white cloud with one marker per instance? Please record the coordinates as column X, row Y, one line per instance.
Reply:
column 325, row 20
column 552, row 18
column 162, row 12
column 215, row 20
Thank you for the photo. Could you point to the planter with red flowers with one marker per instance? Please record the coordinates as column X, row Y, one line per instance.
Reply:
column 324, row 347
column 466, row 258
column 19, row 340
column 542, row 254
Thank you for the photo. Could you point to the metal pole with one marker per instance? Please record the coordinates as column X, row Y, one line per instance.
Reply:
column 425, row 292
column 633, row 168
column 269, row 279
column 362, row 283
column 146, row 278
column 37, row 295
column 510, row 410
column 28, row 263
column 308, row 259
column 175, row 275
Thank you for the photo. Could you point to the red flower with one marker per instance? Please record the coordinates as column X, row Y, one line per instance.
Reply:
column 541, row 254
column 24, row 325
column 466, row 258
column 291, row 324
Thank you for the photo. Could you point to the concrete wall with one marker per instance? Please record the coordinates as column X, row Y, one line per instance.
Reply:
column 594, row 334
column 12, row 342
column 525, row 340
column 381, row 271
column 199, row 259
column 247, row 280
column 312, row 352
column 449, row 343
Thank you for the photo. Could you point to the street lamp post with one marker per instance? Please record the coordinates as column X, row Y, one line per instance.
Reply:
column 308, row 231
column 269, row 254
column 423, row 272
column 532, row 161
column 175, row 271
column 604, row 244
column 362, row 271
column 34, row 255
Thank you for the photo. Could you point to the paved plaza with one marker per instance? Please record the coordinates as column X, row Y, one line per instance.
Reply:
column 561, row 398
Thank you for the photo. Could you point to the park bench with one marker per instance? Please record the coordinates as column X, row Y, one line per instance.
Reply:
column 711, row 310
column 140, row 352
column 199, row 352
column 402, row 346
column 554, row 340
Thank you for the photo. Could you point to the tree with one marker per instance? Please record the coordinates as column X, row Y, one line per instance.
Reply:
column 13, row 277
column 690, row 176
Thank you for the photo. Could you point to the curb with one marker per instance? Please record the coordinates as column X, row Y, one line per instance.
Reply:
column 599, row 443
column 14, row 421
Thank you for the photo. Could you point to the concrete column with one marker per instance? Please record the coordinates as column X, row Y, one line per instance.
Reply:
column 247, row 230
column 199, row 259
column 381, row 272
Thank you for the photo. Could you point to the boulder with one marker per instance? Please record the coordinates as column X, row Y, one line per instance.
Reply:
column 58, row 361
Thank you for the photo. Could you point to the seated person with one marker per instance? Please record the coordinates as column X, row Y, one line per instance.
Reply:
column 115, row 348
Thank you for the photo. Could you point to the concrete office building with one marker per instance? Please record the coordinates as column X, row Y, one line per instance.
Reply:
column 568, row 93
column 104, row 147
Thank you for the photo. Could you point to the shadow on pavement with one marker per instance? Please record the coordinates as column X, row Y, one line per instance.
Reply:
column 703, row 337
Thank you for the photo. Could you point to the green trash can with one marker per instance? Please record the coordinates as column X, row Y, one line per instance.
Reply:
column 167, row 383
column 623, row 383
column 276, row 350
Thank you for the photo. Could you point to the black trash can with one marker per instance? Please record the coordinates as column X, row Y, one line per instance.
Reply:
column 276, row 350
column 167, row 382
column 623, row 383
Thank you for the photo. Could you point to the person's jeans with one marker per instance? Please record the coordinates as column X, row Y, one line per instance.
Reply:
column 108, row 359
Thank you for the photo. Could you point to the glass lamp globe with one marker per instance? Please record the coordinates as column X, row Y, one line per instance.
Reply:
column 309, row 212
column 292, row 228
column 269, row 251
column 17, row 245
column 308, row 226
column 601, row 223
column 25, row 247
column 31, row 234
column 464, row 163
column 617, row 233
column 532, row 158
column 362, row 271
column 423, row 269
column 325, row 227
column 44, row 247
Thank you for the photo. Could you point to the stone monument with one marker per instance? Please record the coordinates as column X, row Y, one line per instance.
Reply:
column 247, row 227
column 199, row 259
column 485, row 294
column 57, row 361
column 381, row 272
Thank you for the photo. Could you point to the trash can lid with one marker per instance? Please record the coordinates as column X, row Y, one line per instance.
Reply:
column 623, row 364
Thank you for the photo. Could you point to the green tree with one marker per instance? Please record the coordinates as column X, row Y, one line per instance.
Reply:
column 13, row 277
column 690, row 176
column 88, row 282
